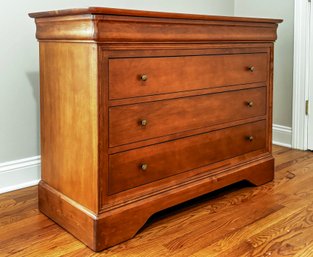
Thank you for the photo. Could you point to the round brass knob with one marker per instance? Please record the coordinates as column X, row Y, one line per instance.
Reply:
column 250, row 103
column 144, row 77
column 251, row 68
column 250, row 138
column 143, row 122
column 144, row 166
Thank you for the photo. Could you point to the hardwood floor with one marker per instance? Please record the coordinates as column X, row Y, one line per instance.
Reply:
column 275, row 219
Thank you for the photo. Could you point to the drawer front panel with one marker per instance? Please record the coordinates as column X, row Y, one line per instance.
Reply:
column 140, row 166
column 132, row 77
column 137, row 122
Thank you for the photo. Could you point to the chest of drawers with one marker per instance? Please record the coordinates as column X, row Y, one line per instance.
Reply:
column 141, row 111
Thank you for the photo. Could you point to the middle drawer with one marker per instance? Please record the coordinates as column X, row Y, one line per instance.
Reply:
column 132, row 123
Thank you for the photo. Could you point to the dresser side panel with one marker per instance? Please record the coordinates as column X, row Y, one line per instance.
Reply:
column 69, row 129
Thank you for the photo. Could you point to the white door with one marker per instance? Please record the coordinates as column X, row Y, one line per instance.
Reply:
column 310, row 125
column 309, row 103
column 309, row 108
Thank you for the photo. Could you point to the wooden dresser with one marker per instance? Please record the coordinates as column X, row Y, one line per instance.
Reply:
column 141, row 111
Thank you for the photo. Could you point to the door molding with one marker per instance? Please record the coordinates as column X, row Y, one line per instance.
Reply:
column 301, row 73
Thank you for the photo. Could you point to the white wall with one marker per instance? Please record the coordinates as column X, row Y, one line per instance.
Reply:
column 283, row 66
column 19, row 80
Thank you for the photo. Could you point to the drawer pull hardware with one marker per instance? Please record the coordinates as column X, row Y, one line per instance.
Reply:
column 250, row 103
column 251, row 68
column 250, row 138
column 144, row 166
column 144, row 77
column 143, row 122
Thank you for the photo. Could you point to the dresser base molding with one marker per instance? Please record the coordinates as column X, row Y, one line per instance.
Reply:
column 112, row 227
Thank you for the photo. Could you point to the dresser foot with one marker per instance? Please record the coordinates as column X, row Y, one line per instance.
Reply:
column 97, row 232
column 262, row 174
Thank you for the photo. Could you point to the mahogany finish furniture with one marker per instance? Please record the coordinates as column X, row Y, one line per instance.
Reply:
column 141, row 111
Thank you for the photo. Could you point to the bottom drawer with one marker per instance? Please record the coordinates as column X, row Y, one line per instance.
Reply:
column 140, row 166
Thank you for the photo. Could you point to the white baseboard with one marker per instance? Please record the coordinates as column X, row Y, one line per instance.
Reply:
column 19, row 174
column 282, row 135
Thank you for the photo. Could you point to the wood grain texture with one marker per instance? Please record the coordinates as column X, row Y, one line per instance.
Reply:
column 136, row 13
column 174, row 157
column 270, row 220
column 91, row 60
column 153, row 30
column 68, row 214
column 177, row 116
column 176, row 74
column 104, row 24
column 68, row 78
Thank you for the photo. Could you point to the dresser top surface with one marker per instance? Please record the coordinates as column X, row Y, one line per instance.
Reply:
column 152, row 14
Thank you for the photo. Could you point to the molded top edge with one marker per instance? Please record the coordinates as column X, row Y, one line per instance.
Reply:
column 137, row 13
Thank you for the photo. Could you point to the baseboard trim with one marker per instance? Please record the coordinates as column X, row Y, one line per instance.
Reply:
column 19, row 174
column 282, row 135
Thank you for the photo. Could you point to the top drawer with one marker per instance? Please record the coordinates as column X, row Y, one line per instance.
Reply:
column 132, row 77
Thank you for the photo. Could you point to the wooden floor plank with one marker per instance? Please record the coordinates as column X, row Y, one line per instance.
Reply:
column 307, row 251
column 286, row 237
column 275, row 219
column 238, row 239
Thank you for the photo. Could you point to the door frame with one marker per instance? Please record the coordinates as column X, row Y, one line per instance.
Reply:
column 301, row 74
